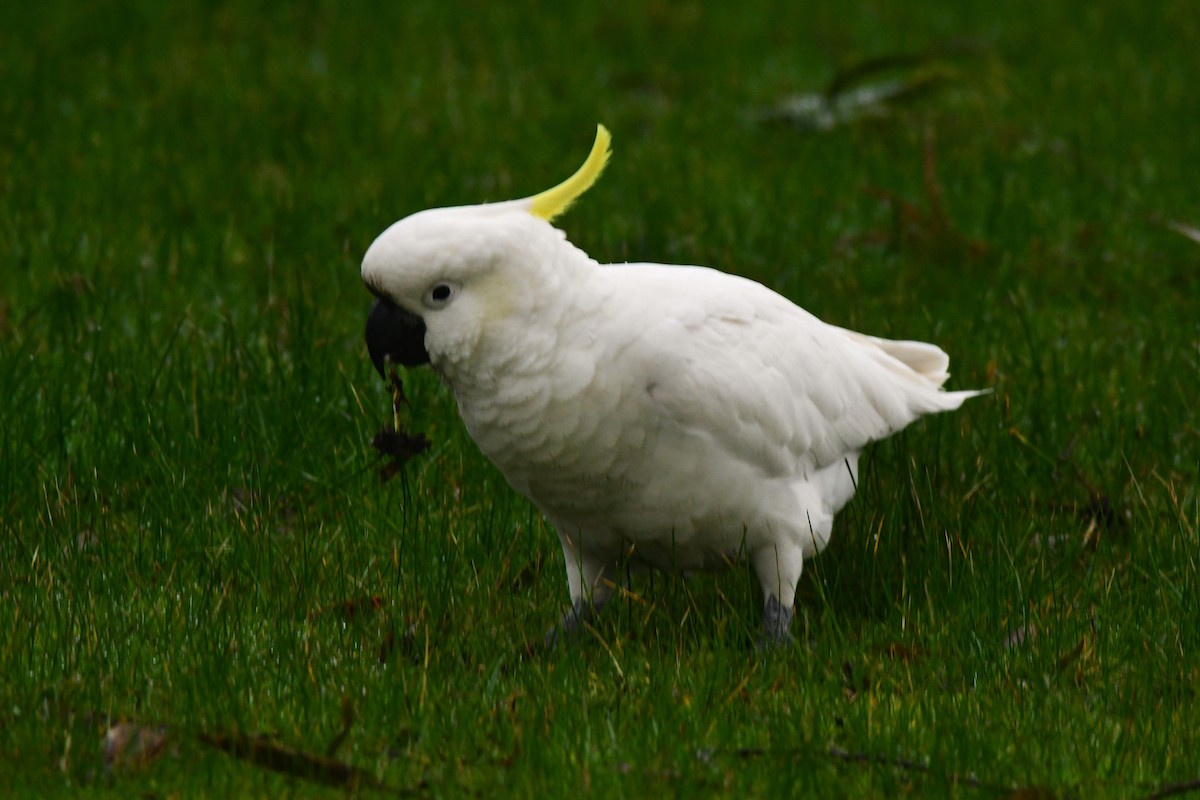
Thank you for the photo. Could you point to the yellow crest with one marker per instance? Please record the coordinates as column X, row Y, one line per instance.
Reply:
column 552, row 202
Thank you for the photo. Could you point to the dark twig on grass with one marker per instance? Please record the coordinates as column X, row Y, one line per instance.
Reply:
column 133, row 744
column 264, row 753
column 901, row 763
column 1175, row 789
column 840, row 754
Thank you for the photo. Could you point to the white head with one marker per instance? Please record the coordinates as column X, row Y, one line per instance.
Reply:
column 444, row 275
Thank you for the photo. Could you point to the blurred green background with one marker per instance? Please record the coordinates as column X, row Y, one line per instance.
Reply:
column 195, row 541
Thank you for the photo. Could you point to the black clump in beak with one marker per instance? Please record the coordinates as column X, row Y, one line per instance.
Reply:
column 395, row 334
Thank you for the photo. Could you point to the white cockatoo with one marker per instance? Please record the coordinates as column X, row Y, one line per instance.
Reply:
column 670, row 416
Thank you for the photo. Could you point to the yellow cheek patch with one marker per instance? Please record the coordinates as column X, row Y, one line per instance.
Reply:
column 552, row 202
column 496, row 294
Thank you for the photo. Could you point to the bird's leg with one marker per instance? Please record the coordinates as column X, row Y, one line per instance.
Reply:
column 582, row 612
column 589, row 582
column 778, row 568
column 777, row 618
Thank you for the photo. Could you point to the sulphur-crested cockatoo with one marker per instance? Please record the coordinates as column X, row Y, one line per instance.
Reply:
column 671, row 416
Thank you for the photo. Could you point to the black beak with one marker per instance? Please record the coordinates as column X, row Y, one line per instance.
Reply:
column 393, row 333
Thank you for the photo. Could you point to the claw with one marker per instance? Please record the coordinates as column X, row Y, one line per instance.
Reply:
column 580, row 613
column 776, row 620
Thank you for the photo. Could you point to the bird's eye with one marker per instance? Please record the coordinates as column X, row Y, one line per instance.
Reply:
column 440, row 294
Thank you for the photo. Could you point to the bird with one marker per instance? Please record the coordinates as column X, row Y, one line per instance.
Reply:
column 662, row 416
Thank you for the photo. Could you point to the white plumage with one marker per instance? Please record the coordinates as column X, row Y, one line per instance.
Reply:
column 676, row 416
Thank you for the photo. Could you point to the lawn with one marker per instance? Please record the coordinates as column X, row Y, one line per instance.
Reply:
column 206, row 589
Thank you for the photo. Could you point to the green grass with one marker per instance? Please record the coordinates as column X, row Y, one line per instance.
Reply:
column 194, row 534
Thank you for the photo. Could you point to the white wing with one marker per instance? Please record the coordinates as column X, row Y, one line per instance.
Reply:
column 769, row 383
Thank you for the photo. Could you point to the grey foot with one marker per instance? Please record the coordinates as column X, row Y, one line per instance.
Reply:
column 776, row 621
column 581, row 613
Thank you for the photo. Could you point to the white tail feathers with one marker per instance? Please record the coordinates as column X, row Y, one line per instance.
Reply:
column 920, row 362
column 927, row 360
